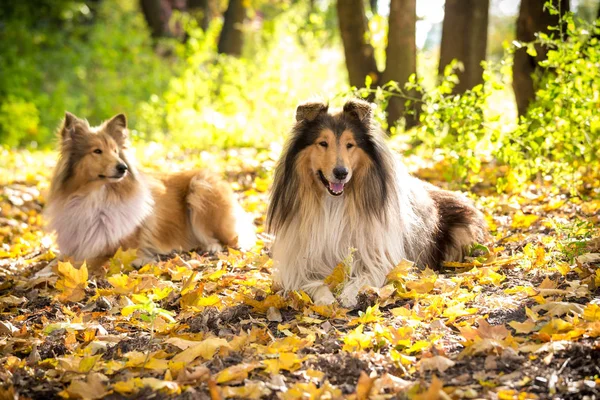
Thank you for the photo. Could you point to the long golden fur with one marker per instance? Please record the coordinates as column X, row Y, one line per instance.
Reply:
column 99, row 201
column 338, row 187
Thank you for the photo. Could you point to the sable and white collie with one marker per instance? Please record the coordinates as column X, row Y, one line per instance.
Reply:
column 339, row 187
column 99, row 201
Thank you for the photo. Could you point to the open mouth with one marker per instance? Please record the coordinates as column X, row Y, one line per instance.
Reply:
column 334, row 188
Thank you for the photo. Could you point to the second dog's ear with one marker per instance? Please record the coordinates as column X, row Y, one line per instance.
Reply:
column 117, row 128
column 310, row 110
column 359, row 109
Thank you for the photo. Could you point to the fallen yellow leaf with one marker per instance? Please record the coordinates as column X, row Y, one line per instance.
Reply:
column 72, row 282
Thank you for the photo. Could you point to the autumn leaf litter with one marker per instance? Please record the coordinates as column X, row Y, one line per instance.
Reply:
column 518, row 320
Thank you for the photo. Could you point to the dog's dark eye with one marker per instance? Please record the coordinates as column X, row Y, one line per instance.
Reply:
column 349, row 146
column 323, row 144
column 98, row 151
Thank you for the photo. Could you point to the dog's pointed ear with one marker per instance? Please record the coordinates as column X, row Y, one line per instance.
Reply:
column 310, row 110
column 71, row 127
column 359, row 109
column 117, row 128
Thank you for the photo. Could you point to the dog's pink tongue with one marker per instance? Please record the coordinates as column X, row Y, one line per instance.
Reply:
column 336, row 187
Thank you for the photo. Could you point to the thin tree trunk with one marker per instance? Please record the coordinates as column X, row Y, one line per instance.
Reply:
column 373, row 5
column 209, row 9
column 231, row 39
column 401, row 55
column 360, row 56
column 157, row 14
column 532, row 18
column 464, row 37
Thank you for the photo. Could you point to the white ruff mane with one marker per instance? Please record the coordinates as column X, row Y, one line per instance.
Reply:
column 312, row 242
column 91, row 225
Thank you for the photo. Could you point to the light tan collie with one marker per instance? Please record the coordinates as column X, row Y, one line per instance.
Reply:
column 99, row 201
column 338, row 187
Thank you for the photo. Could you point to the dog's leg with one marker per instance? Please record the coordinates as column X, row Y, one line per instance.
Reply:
column 349, row 295
column 321, row 295
column 144, row 257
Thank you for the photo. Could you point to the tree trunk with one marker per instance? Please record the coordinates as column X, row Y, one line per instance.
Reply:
column 532, row 18
column 209, row 9
column 464, row 37
column 157, row 14
column 231, row 39
column 401, row 55
column 373, row 4
column 360, row 56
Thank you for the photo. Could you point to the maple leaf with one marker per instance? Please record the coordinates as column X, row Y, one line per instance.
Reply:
column 253, row 390
column 273, row 300
column 370, row 315
column 311, row 391
column 591, row 312
column 364, row 386
column 205, row 349
column 523, row 327
column 433, row 392
column 340, row 274
column 92, row 388
column 290, row 344
column 487, row 331
column 400, row 271
column 523, row 221
column 123, row 284
column 357, row 340
column 286, row 361
column 72, row 282
column 423, row 285
column 133, row 385
column 439, row 363
column 235, row 373
column 556, row 325
column 560, row 308
column 121, row 261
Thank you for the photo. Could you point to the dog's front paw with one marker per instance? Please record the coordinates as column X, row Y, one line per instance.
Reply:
column 246, row 241
column 143, row 259
column 213, row 248
column 349, row 296
column 323, row 296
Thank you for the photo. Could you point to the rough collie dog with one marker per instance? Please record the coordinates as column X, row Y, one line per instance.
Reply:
column 99, row 201
column 338, row 187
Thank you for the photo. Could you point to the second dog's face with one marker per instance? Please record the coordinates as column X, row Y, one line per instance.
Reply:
column 101, row 160
column 95, row 154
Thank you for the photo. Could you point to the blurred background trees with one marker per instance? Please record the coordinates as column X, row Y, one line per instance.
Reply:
column 200, row 73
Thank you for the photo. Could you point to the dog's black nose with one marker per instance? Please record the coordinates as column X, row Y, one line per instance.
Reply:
column 121, row 168
column 340, row 172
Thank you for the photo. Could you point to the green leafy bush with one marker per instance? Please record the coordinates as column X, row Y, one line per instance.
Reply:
column 94, row 68
column 559, row 137
column 219, row 100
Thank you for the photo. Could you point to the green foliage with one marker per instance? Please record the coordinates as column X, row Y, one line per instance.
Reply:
column 558, row 138
column 450, row 124
column 92, row 67
column 223, row 101
column 574, row 237
column 560, row 135
column 96, row 63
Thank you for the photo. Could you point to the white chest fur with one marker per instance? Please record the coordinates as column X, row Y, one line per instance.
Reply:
column 310, row 247
column 89, row 226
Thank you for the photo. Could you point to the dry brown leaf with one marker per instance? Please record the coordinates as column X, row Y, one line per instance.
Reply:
column 439, row 363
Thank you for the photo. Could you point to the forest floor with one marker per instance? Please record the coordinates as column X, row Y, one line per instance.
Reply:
column 522, row 322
